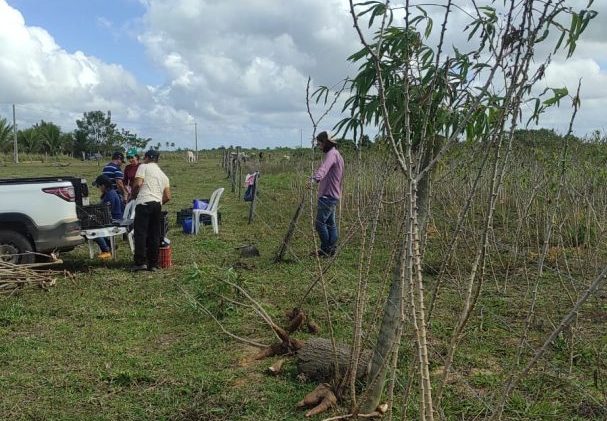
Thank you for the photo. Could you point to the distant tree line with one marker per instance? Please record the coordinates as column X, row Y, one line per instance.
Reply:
column 94, row 133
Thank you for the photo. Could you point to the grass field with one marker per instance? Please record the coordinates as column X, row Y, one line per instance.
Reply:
column 115, row 345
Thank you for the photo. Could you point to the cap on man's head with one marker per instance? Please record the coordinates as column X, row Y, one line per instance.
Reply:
column 118, row 155
column 152, row 154
column 132, row 153
column 324, row 137
column 102, row 180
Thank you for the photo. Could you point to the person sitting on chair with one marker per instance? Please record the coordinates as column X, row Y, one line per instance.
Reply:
column 110, row 197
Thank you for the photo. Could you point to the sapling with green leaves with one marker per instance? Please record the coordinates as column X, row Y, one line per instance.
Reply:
column 424, row 98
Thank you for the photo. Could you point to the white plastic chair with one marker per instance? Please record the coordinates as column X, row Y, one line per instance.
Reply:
column 106, row 232
column 211, row 210
column 124, row 226
column 128, row 219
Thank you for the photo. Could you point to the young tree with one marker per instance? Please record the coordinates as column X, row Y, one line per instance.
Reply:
column 98, row 130
column 127, row 140
column 81, row 143
column 424, row 99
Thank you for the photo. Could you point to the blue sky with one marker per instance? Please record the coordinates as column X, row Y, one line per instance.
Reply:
column 237, row 68
column 106, row 29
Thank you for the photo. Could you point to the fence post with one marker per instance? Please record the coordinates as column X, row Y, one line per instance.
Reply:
column 252, row 207
column 229, row 163
column 238, row 155
column 234, row 161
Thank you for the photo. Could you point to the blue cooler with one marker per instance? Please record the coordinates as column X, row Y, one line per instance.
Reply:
column 186, row 224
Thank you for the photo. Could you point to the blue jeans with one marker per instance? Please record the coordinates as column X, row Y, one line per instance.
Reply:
column 103, row 244
column 325, row 224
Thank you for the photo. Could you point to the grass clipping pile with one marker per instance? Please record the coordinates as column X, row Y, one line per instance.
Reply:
column 15, row 278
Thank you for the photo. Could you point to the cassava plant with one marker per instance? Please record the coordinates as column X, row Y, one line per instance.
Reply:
column 424, row 92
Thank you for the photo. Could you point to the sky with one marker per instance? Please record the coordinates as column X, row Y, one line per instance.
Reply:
column 234, row 72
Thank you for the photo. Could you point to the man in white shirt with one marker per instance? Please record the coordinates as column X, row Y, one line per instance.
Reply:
column 150, row 191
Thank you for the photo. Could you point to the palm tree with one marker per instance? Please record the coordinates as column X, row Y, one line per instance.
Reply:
column 50, row 135
column 29, row 140
column 6, row 131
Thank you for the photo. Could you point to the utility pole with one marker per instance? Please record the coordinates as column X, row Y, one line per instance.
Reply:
column 196, row 139
column 15, row 150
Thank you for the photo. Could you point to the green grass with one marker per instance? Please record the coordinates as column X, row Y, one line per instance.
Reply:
column 115, row 345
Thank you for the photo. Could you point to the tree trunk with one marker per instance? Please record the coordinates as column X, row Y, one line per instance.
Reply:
column 391, row 323
column 315, row 359
column 280, row 254
column 386, row 339
column 424, row 187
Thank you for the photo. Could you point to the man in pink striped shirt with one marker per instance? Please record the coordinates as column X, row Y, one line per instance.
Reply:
column 329, row 177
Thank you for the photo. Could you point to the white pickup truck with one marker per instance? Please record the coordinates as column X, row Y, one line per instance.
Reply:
column 39, row 215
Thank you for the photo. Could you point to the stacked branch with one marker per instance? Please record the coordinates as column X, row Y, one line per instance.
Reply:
column 14, row 278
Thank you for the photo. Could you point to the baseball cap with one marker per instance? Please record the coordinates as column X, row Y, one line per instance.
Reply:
column 118, row 155
column 153, row 154
column 131, row 153
column 102, row 180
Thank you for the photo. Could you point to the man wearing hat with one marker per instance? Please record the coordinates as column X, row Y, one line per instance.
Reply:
column 113, row 171
column 131, row 169
column 151, row 190
column 329, row 177
column 110, row 197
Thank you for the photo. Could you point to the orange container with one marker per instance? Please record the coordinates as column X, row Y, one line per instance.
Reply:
column 165, row 257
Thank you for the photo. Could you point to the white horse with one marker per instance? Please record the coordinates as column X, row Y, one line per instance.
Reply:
column 190, row 156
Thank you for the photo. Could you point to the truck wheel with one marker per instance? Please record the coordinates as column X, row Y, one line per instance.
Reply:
column 14, row 248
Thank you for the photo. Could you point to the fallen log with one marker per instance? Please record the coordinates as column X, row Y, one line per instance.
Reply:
column 316, row 360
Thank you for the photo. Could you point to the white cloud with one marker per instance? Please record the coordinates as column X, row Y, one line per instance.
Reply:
column 35, row 71
column 248, row 62
column 237, row 68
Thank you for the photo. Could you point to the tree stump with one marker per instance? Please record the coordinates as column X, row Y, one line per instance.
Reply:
column 316, row 361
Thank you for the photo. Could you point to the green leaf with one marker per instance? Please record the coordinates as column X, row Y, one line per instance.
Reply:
column 559, row 93
column 428, row 30
column 560, row 41
column 543, row 36
column 378, row 10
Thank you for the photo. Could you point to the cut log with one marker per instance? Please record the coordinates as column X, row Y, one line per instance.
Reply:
column 315, row 359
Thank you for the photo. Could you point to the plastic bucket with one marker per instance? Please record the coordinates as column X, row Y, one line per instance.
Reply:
column 165, row 257
column 186, row 224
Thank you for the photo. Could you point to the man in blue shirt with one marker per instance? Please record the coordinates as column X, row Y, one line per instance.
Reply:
column 110, row 197
column 113, row 171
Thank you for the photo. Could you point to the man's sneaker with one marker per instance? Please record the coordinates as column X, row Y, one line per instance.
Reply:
column 153, row 268
column 320, row 253
column 104, row 255
column 139, row 268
